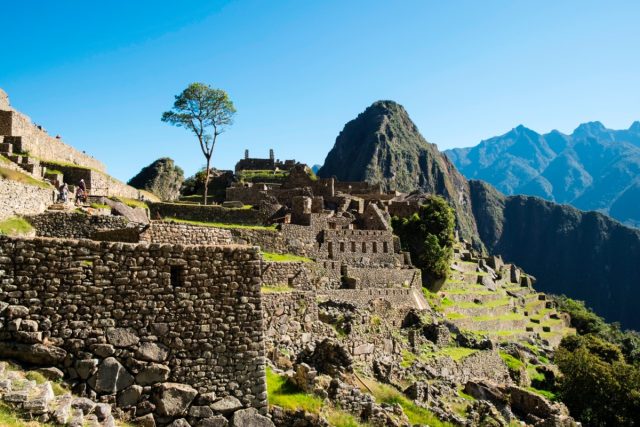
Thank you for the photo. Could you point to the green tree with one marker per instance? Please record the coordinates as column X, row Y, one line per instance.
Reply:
column 598, row 386
column 428, row 235
column 205, row 111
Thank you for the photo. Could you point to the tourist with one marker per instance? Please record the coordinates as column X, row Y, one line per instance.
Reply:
column 81, row 193
column 64, row 193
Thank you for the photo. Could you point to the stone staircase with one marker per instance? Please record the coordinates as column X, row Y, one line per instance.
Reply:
column 485, row 296
column 10, row 147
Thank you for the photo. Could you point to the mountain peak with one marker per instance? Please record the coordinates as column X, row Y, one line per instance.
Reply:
column 590, row 128
column 635, row 126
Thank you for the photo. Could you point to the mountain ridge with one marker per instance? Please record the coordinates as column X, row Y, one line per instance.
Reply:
column 591, row 168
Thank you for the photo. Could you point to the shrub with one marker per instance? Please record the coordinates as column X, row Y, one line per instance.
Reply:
column 428, row 236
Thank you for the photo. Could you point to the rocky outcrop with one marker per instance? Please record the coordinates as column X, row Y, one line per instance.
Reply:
column 382, row 145
column 162, row 178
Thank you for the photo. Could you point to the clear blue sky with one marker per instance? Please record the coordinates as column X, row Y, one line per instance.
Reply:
column 101, row 73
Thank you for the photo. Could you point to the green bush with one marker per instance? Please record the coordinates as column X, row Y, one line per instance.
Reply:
column 598, row 386
column 429, row 238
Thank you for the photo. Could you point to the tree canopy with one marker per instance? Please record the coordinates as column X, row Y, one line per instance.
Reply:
column 205, row 111
column 428, row 235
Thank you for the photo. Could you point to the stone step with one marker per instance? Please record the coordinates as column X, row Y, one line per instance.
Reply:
column 491, row 324
column 483, row 296
column 480, row 310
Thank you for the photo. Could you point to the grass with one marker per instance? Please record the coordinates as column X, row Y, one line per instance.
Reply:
column 417, row 415
column 275, row 289
column 464, row 395
column 99, row 206
column 456, row 353
column 133, row 202
column 507, row 316
column 9, row 418
column 221, row 224
column 338, row 418
column 15, row 226
column 408, row 358
column 58, row 163
column 270, row 256
column 512, row 363
column 283, row 393
column 23, row 178
column 544, row 393
column 58, row 389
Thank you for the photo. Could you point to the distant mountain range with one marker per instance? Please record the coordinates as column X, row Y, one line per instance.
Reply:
column 594, row 168
column 585, row 255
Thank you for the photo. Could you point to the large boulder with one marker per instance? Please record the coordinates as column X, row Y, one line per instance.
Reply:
column 121, row 337
column 152, row 374
column 152, row 352
column 111, row 377
column 33, row 354
column 173, row 399
column 226, row 405
column 162, row 178
column 250, row 418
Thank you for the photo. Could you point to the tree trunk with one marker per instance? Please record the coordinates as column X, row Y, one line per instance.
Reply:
column 206, row 181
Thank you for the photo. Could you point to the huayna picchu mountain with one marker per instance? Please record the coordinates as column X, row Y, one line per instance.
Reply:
column 383, row 145
column 594, row 168
column 585, row 255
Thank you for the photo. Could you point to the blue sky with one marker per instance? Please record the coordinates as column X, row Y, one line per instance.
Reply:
column 101, row 73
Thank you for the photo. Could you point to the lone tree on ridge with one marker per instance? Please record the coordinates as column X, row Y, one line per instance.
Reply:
column 205, row 111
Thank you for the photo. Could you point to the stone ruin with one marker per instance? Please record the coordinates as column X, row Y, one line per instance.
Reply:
column 173, row 323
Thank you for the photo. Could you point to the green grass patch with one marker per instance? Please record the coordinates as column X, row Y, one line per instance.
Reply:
column 456, row 353
column 133, row 203
column 283, row 393
column 23, row 178
column 9, row 418
column 507, row 316
column 275, row 289
column 489, row 304
column 221, row 224
column 271, row 256
column 337, row 418
column 455, row 316
column 58, row 389
column 417, row 415
column 512, row 363
column 58, row 163
column 408, row 359
column 15, row 226
column 534, row 375
column 544, row 393
column 99, row 206
column 464, row 395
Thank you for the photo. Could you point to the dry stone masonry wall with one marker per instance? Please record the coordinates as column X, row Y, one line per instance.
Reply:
column 74, row 225
column 137, row 324
column 185, row 234
column 17, row 198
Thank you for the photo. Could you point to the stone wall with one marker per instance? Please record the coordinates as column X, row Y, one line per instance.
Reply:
column 74, row 225
column 126, row 321
column 377, row 246
column 363, row 297
column 18, row 199
column 291, row 320
column 269, row 240
column 39, row 143
column 299, row 275
column 210, row 213
column 185, row 234
column 383, row 277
